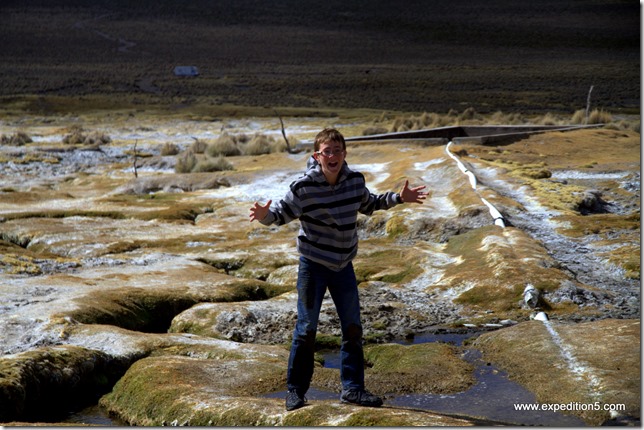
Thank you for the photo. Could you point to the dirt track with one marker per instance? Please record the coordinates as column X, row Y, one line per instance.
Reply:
column 426, row 56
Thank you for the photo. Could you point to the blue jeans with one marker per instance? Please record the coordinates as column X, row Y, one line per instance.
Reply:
column 312, row 283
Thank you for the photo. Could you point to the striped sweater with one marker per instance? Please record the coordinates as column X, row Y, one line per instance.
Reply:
column 328, row 214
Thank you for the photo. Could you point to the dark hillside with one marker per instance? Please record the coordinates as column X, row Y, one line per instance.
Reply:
column 417, row 56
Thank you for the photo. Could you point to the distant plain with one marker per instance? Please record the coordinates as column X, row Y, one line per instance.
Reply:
column 418, row 56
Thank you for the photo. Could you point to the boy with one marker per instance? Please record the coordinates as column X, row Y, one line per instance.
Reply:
column 327, row 200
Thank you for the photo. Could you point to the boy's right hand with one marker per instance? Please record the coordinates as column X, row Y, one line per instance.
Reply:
column 259, row 212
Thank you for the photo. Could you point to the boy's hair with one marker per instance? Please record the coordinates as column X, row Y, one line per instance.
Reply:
column 328, row 135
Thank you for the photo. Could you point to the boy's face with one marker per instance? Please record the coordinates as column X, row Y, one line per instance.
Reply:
column 331, row 157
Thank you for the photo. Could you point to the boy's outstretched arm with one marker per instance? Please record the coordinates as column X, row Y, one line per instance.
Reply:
column 259, row 212
column 413, row 195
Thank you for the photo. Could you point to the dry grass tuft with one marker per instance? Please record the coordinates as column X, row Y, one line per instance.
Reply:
column 17, row 139
column 213, row 165
column 599, row 117
column 225, row 145
column 198, row 146
column 470, row 116
column 596, row 116
column 77, row 136
column 185, row 162
column 260, row 144
column 169, row 148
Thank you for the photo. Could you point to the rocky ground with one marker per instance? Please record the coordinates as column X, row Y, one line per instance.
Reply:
column 146, row 293
column 115, row 283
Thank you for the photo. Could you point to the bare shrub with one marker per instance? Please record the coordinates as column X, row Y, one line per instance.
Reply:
column 185, row 163
column 224, row 145
column 402, row 124
column 427, row 120
column 169, row 148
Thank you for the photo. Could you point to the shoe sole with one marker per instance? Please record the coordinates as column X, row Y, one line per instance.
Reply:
column 368, row 405
column 298, row 406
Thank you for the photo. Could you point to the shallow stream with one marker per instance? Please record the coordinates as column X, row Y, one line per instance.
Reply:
column 492, row 399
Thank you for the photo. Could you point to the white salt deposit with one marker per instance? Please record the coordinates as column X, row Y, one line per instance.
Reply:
column 575, row 174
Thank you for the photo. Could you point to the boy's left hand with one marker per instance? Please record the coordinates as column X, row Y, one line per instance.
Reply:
column 413, row 195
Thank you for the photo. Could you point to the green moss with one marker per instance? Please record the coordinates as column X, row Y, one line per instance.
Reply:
column 396, row 226
column 19, row 264
column 492, row 272
column 41, row 383
column 421, row 368
column 592, row 343
column 323, row 341
column 66, row 214
column 395, row 265
column 374, row 418
column 309, row 416
column 146, row 397
column 603, row 224
column 504, row 299
column 375, row 337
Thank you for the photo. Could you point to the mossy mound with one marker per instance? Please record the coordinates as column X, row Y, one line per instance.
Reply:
column 494, row 267
column 45, row 383
column 174, row 390
column 424, row 368
column 594, row 363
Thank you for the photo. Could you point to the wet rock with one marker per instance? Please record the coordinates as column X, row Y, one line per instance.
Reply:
column 591, row 202
column 43, row 384
column 285, row 275
column 267, row 321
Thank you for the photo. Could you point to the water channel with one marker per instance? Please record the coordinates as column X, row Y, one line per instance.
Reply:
column 491, row 399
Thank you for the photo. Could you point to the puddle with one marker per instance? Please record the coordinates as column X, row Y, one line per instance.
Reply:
column 492, row 398
column 93, row 416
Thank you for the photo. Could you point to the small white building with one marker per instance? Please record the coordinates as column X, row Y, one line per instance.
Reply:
column 186, row 71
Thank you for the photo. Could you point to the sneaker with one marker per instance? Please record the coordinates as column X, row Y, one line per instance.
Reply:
column 361, row 398
column 294, row 400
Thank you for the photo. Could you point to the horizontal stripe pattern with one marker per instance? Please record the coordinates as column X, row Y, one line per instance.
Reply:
column 328, row 214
